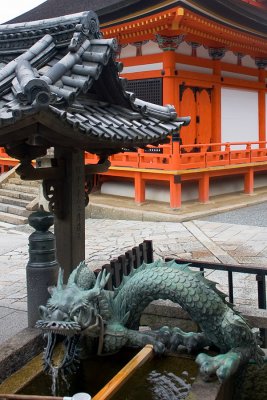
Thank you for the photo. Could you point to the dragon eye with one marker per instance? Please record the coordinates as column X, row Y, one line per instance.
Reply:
column 82, row 315
column 76, row 312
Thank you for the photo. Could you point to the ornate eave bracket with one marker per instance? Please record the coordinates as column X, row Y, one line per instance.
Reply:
column 53, row 180
column 261, row 63
column 169, row 43
column 217, row 53
column 28, row 173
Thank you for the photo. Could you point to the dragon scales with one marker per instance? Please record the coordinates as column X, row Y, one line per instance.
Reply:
column 92, row 319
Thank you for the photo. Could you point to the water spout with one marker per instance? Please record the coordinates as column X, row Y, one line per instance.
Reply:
column 54, row 373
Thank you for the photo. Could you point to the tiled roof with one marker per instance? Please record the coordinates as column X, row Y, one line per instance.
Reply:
column 56, row 8
column 243, row 13
column 81, row 85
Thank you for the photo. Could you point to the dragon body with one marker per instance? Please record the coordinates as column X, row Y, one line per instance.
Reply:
column 87, row 315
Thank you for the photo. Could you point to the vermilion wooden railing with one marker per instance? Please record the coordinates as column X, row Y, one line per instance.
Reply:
column 6, row 162
column 218, row 154
column 186, row 157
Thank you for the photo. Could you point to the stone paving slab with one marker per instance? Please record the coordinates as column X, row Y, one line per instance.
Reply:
column 106, row 239
column 12, row 323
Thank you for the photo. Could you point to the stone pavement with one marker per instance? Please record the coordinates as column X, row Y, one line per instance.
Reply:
column 106, row 239
column 118, row 207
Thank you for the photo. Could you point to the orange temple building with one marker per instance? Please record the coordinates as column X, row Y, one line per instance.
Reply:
column 208, row 59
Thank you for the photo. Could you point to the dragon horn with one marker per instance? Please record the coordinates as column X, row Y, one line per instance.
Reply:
column 101, row 281
column 73, row 276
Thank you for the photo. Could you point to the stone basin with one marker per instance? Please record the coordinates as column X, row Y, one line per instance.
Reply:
column 160, row 378
column 16, row 352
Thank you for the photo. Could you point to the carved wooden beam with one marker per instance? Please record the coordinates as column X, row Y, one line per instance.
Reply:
column 102, row 166
column 28, row 173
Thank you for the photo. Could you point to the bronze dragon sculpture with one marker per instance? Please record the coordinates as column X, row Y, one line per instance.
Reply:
column 89, row 318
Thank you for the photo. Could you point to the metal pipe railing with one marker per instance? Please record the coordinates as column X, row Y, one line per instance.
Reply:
column 259, row 272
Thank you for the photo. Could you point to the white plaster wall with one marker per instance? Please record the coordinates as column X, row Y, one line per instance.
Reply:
column 230, row 74
column 184, row 48
column 128, row 51
column 202, row 52
column 160, row 192
column 248, row 61
column 193, row 68
column 151, row 48
column 239, row 115
column 154, row 191
column 230, row 58
column 143, row 67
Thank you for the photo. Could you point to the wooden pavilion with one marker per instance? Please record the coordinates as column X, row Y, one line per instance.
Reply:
column 207, row 58
column 60, row 88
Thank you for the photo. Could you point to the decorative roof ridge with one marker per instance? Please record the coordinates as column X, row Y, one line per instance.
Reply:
column 43, row 75
column 29, row 55
column 28, row 87
column 44, row 48
column 15, row 38
column 43, row 23
column 166, row 112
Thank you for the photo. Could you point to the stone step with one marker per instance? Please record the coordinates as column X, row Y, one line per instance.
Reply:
column 21, row 188
column 17, row 195
column 13, row 201
column 11, row 209
column 13, row 219
column 18, row 181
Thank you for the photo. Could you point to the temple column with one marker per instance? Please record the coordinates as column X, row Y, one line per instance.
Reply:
column 261, row 64
column 262, row 116
column 249, row 181
column 170, row 88
column 216, row 114
column 171, row 96
column 139, row 188
column 204, row 188
column 216, row 54
column 175, row 191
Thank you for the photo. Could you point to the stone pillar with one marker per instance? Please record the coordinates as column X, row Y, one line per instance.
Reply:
column 42, row 268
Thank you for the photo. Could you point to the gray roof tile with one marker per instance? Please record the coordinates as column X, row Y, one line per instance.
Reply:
column 78, row 82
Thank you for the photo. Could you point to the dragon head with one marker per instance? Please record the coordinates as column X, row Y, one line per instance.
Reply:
column 71, row 310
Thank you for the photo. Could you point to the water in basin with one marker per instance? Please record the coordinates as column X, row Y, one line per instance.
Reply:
column 159, row 379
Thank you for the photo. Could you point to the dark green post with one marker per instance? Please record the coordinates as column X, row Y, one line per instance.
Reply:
column 42, row 267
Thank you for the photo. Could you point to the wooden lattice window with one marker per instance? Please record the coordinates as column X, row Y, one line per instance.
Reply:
column 147, row 89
